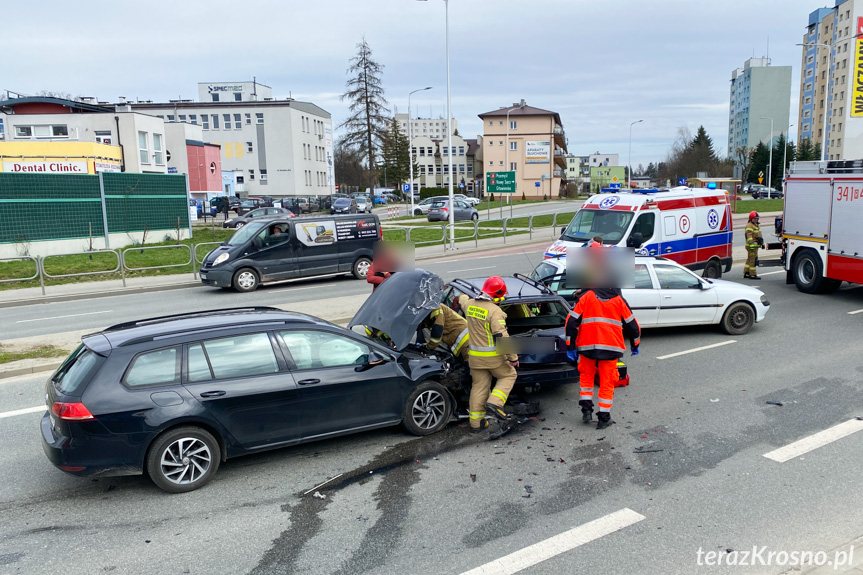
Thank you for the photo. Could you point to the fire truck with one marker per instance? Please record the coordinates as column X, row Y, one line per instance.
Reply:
column 821, row 229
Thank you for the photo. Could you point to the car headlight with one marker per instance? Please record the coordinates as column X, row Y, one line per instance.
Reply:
column 221, row 259
column 764, row 300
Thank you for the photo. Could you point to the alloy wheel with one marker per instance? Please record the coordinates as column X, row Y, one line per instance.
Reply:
column 428, row 409
column 185, row 461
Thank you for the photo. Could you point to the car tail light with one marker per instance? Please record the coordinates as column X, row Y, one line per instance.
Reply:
column 71, row 411
column 380, row 233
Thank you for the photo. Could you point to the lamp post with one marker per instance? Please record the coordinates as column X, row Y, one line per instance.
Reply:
column 508, row 167
column 770, row 161
column 410, row 145
column 827, row 99
column 629, row 161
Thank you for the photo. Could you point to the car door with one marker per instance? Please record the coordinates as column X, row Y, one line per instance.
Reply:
column 643, row 298
column 462, row 212
column 682, row 299
column 275, row 256
column 317, row 248
column 645, row 224
column 243, row 382
column 338, row 389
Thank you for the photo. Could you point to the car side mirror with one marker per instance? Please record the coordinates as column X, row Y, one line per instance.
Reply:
column 563, row 230
column 373, row 359
column 704, row 286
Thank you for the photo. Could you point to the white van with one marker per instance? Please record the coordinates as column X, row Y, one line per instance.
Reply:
column 691, row 226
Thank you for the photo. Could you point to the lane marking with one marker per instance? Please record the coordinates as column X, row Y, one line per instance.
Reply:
column 815, row 441
column 6, row 414
column 64, row 316
column 470, row 270
column 855, row 312
column 566, row 541
column 720, row 344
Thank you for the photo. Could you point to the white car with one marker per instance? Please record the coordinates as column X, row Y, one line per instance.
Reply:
column 422, row 208
column 472, row 202
column 667, row 294
column 364, row 204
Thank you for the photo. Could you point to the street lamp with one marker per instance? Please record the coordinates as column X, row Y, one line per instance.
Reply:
column 629, row 161
column 449, row 132
column 827, row 98
column 508, row 166
column 410, row 144
column 770, row 161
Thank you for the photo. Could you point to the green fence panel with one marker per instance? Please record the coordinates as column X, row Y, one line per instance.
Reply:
column 136, row 202
column 38, row 207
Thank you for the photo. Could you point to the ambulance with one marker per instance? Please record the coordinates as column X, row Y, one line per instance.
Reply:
column 691, row 226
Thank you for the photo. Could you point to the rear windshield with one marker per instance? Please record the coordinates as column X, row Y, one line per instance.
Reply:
column 439, row 203
column 246, row 233
column 341, row 202
column 76, row 371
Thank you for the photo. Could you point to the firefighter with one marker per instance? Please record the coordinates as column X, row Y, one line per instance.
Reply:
column 486, row 322
column 596, row 328
column 753, row 242
column 450, row 328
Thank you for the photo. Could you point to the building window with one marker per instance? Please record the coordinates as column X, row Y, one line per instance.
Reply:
column 215, row 121
column 143, row 150
column 490, row 143
column 238, row 122
column 158, row 154
column 809, row 73
column 807, row 100
column 501, row 162
column 251, row 174
column 23, row 131
column 513, row 166
column 170, row 117
column 263, row 175
column 490, row 162
column 512, row 124
column 227, row 118
column 513, row 146
column 248, row 119
column 461, row 150
column 205, row 121
column 259, row 117
column 805, row 127
column 182, row 118
column 193, row 118
column 238, row 96
column 470, row 168
column 215, row 96
column 103, row 136
column 249, row 148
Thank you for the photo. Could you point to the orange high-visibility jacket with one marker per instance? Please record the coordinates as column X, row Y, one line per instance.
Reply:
column 598, row 324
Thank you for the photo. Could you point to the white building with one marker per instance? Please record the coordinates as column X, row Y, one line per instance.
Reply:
column 603, row 160
column 434, row 128
column 274, row 147
column 432, row 162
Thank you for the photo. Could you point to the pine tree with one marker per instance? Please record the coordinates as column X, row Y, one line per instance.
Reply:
column 395, row 154
column 368, row 107
column 760, row 159
column 805, row 151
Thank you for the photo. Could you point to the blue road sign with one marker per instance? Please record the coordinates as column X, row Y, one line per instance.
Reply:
column 615, row 186
column 461, row 184
column 406, row 187
column 536, row 184
column 682, row 181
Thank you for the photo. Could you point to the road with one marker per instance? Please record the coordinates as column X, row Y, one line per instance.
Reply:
column 682, row 471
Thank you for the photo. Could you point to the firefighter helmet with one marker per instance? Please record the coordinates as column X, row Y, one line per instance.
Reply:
column 753, row 214
column 494, row 287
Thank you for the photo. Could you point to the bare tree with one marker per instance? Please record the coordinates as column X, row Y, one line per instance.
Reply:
column 743, row 158
column 368, row 107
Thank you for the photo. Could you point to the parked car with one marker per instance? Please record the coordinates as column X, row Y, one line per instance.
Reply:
column 309, row 205
column 199, row 205
column 217, row 204
column 241, row 221
column 667, row 294
column 248, row 205
column 277, row 248
column 422, row 208
column 364, row 204
column 471, row 201
column 750, row 188
column 344, row 206
column 439, row 211
column 175, row 396
column 766, row 193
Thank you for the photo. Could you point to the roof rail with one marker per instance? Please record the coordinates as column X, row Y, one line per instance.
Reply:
column 211, row 312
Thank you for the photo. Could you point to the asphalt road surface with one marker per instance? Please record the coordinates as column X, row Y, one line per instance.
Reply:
column 683, row 471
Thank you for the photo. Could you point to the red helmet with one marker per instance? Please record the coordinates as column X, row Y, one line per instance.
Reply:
column 753, row 214
column 494, row 287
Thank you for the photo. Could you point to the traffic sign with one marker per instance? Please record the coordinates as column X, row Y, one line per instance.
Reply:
column 613, row 178
column 461, row 185
column 614, row 186
column 406, row 187
column 682, row 181
column 500, row 182
column 760, row 174
column 536, row 184
column 760, row 179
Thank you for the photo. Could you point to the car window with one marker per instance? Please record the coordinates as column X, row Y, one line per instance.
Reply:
column 642, row 277
column 544, row 270
column 645, row 225
column 256, row 213
column 318, row 349
column 154, row 367
column 245, row 233
column 671, row 277
column 75, row 370
column 670, row 226
column 545, row 314
column 229, row 357
column 610, row 225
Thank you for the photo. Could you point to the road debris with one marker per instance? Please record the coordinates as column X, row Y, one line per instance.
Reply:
column 714, row 400
column 324, row 483
column 473, row 477
column 319, row 495
column 529, row 490
column 779, row 403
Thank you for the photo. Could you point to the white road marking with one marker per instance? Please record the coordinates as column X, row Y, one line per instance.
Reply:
column 471, row 270
column 855, row 312
column 64, row 316
column 815, row 441
column 771, row 273
column 566, row 541
column 22, row 411
column 720, row 344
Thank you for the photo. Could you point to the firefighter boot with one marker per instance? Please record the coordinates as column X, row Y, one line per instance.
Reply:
column 586, row 410
column 499, row 427
column 483, row 425
column 496, row 412
column 605, row 420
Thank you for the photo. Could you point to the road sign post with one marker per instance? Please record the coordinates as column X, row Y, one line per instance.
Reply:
column 500, row 183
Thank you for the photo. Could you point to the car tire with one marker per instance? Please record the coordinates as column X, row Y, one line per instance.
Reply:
column 418, row 212
column 808, row 272
column 361, row 268
column 738, row 319
column 183, row 459
column 427, row 409
column 712, row 270
column 474, row 217
column 245, row 280
column 239, row 225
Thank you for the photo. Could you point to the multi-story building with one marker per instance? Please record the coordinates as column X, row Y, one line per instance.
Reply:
column 528, row 141
column 273, row 147
column 759, row 92
column 597, row 160
column 432, row 163
column 434, row 128
column 831, row 82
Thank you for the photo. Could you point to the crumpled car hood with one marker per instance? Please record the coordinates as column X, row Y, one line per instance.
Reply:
column 400, row 304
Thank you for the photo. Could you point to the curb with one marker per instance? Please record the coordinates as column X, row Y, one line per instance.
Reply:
column 43, row 367
column 97, row 294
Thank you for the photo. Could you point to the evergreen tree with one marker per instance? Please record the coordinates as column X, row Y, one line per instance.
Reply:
column 805, row 151
column 368, row 107
column 395, row 154
column 760, row 159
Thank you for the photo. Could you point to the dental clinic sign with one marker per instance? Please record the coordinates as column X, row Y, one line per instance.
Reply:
column 61, row 167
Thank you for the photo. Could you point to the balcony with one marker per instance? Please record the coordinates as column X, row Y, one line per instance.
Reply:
column 558, row 130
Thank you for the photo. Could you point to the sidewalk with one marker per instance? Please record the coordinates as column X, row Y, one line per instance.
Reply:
column 851, row 552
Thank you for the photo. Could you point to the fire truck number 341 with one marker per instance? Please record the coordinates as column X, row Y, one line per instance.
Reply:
column 848, row 194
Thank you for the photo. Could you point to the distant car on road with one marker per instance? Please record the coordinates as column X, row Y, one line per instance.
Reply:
column 750, row 188
column 241, row 221
column 767, row 193
column 422, row 208
column 308, row 205
column 467, row 199
column 439, row 211
column 344, row 206
column 250, row 204
column 364, row 204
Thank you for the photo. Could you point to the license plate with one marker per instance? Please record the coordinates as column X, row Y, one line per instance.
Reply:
column 203, row 276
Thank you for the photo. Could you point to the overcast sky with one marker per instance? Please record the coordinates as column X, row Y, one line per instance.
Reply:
column 600, row 64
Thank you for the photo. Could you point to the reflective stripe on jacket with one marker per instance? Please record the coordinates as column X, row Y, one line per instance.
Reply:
column 485, row 320
column 598, row 324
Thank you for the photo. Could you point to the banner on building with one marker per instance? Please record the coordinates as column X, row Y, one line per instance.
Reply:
column 106, row 167
column 328, row 145
column 857, row 88
column 59, row 167
column 537, row 152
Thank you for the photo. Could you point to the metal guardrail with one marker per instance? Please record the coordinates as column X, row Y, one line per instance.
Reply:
column 115, row 269
column 186, row 247
column 22, row 259
column 196, row 246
